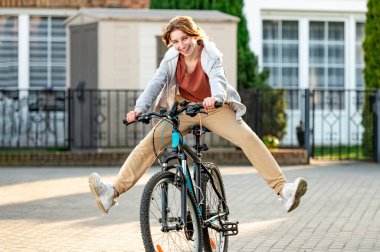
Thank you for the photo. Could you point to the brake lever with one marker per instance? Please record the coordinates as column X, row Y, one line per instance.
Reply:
column 144, row 119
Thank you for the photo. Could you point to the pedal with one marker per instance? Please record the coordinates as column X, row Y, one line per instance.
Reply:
column 230, row 228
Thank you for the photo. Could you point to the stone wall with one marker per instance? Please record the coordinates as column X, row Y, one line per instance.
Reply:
column 76, row 3
column 117, row 158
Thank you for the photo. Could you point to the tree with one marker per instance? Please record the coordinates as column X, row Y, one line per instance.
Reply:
column 371, row 47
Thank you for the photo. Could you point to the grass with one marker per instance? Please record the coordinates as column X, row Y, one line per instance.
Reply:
column 340, row 152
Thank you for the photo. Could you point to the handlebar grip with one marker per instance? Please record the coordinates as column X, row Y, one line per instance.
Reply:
column 138, row 118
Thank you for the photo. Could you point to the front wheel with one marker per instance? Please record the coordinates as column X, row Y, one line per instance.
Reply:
column 161, row 223
column 214, row 210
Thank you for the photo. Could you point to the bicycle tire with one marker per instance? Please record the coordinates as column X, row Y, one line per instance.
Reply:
column 212, row 240
column 188, row 238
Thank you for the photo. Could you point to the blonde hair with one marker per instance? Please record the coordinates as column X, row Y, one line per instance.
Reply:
column 187, row 25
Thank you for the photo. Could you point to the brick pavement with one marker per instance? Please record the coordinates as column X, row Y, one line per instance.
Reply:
column 51, row 209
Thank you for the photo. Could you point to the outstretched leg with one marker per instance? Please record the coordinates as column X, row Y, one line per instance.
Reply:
column 240, row 134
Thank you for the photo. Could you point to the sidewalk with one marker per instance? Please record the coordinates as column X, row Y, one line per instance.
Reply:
column 51, row 209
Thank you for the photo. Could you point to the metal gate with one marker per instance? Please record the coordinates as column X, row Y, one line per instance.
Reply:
column 342, row 124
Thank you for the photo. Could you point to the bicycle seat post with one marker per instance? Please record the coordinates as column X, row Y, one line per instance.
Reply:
column 198, row 143
column 196, row 130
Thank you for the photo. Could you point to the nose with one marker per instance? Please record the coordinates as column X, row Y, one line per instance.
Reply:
column 180, row 45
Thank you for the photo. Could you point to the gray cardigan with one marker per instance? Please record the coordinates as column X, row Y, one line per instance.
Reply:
column 163, row 87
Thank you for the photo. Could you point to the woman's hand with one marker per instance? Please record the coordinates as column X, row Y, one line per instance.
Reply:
column 131, row 116
column 209, row 103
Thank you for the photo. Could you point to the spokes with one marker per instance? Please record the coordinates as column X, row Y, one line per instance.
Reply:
column 214, row 213
column 168, row 231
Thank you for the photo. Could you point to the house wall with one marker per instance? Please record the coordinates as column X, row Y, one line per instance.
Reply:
column 217, row 32
column 225, row 37
column 147, row 49
column 118, row 57
column 128, row 51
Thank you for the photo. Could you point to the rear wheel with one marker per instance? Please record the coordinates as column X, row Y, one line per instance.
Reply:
column 212, row 239
column 161, row 223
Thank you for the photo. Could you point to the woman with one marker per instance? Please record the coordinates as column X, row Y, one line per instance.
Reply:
column 192, row 69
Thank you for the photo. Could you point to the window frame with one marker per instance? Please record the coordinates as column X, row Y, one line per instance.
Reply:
column 14, row 62
column 49, row 64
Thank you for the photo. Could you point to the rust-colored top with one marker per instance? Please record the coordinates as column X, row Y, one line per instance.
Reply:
column 195, row 86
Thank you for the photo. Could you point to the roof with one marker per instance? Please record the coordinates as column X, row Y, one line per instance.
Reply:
column 152, row 15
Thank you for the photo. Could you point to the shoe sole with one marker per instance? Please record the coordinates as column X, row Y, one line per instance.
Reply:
column 301, row 190
column 93, row 182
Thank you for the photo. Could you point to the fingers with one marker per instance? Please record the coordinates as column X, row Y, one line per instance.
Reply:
column 131, row 116
column 209, row 103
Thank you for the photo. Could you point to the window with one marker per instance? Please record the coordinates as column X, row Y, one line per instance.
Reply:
column 47, row 52
column 326, row 63
column 8, row 52
column 280, row 52
column 280, row 56
column 326, row 54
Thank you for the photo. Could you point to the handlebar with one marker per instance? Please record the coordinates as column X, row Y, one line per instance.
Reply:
column 191, row 110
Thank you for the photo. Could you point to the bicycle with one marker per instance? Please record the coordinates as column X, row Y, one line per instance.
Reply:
column 179, row 211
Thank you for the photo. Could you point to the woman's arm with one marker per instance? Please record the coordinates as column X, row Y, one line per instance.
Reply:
column 218, row 81
column 153, row 89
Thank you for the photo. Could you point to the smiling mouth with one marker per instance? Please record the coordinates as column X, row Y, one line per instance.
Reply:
column 185, row 51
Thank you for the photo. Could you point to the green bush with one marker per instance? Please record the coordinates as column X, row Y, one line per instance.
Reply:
column 273, row 114
column 271, row 141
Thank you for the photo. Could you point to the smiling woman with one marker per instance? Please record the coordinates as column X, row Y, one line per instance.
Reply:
column 192, row 69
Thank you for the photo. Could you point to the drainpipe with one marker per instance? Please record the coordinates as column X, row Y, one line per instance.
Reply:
column 307, row 124
column 376, row 125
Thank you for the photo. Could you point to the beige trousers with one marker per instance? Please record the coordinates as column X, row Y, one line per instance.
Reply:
column 220, row 121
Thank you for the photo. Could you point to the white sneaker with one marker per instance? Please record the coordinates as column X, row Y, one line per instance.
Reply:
column 292, row 192
column 104, row 194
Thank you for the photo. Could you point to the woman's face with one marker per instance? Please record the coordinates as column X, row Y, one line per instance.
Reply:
column 182, row 42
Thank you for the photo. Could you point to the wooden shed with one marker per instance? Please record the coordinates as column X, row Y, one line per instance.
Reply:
column 119, row 49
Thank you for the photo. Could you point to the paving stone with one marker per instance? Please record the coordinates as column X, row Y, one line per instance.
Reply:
column 51, row 209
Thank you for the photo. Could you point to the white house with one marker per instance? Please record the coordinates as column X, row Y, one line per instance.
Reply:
column 318, row 45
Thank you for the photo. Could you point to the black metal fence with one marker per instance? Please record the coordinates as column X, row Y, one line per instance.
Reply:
column 329, row 123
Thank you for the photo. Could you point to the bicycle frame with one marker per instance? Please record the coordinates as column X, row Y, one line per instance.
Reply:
column 180, row 152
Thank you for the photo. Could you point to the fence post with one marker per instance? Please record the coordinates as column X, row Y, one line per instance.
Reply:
column 307, row 123
column 376, row 126
column 69, row 119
